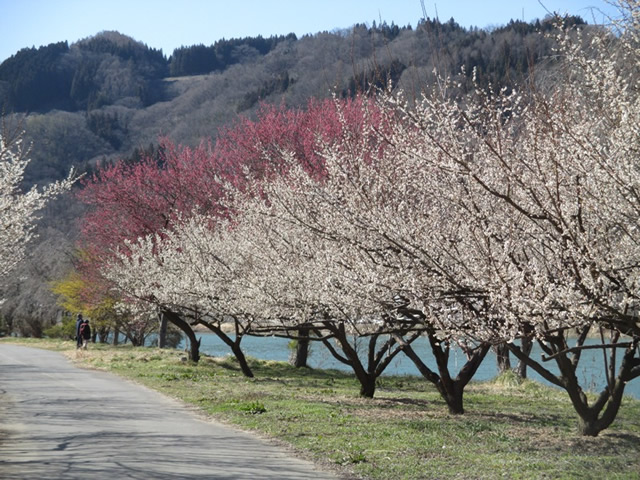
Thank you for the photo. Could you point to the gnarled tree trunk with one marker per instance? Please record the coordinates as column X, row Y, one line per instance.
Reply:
column 378, row 357
column 234, row 344
column 194, row 343
column 451, row 390
column 594, row 418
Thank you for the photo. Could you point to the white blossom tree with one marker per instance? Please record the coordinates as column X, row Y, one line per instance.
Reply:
column 18, row 209
column 543, row 186
column 309, row 276
column 191, row 271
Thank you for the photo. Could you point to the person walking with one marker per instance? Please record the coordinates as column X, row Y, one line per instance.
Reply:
column 78, row 337
column 85, row 333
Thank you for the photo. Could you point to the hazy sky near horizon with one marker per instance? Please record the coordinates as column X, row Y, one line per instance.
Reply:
column 169, row 24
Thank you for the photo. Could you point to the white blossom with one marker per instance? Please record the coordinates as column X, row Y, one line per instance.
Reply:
column 18, row 209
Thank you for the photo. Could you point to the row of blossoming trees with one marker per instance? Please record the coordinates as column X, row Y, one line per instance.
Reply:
column 493, row 218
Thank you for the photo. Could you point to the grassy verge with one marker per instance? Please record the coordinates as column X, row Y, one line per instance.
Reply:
column 511, row 429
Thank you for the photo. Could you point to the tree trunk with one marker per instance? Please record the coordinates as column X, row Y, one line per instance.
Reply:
column 194, row 343
column 116, row 334
column 104, row 334
column 592, row 419
column 194, row 349
column 588, row 427
column 162, row 333
column 502, row 356
column 367, row 386
column 521, row 368
column 242, row 360
column 378, row 356
column 454, row 398
column 234, row 345
column 135, row 340
column 301, row 354
column 367, row 381
column 451, row 390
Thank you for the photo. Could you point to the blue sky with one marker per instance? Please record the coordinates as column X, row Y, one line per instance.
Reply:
column 170, row 24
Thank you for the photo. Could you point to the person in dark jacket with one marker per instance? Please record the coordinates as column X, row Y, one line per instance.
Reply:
column 78, row 337
column 85, row 333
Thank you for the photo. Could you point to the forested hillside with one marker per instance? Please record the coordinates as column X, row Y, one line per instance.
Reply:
column 110, row 96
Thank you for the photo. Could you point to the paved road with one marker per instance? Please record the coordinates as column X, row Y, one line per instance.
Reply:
column 63, row 422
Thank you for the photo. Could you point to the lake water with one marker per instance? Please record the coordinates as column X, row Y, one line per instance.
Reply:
column 590, row 371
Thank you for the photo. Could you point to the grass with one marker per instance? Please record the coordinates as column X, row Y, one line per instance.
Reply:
column 511, row 429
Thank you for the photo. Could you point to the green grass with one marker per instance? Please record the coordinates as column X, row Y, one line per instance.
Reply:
column 511, row 429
